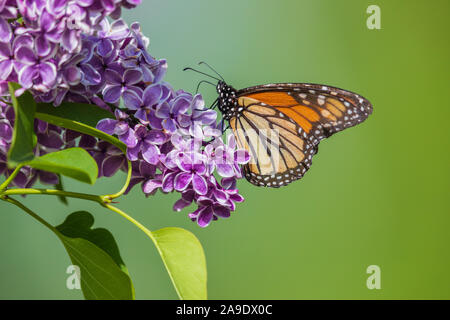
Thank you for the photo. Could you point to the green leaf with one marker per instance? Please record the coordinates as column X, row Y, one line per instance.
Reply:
column 87, row 114
column 185, row 261
column 182, row 255
column 24, row 138
column 79, row 117
column 75, row 163
column 103, row 274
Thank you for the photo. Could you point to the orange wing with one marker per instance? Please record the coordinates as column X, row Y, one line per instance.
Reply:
column 281, row 126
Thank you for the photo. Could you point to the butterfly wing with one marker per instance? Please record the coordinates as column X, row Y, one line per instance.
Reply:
column 281, row 126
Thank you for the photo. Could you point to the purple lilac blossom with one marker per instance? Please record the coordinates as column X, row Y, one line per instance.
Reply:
column 50, row 34
column 66, row 50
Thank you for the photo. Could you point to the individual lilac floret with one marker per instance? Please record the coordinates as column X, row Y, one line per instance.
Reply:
column 145, row 103
column 119, row 127
column 207, row 211
column 7, row 60
column 147, row 145
column 196, row 114
column 8, row 11
column 171, row 113
column 109, row 158
column 145, row 174
column 118, row 83
column 225, row 158
column 36, row 73
column 192, row 173
column 219, row 202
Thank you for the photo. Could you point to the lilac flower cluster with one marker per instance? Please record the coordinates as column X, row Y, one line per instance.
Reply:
column 172, row 139
column 68, row 51
column 39, row 50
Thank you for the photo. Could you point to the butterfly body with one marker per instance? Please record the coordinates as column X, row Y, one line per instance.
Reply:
column 227, row 101
column 281, row 125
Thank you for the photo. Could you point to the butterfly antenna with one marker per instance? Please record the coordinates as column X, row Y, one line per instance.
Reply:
column 202, row 73
column 203, row 62
column 203, row 81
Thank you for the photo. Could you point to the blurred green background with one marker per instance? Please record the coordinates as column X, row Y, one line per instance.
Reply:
column 377, row 194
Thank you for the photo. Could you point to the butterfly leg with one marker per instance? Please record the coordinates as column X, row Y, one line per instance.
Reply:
column 212, row 107
column 225, row 129
column 214, row 104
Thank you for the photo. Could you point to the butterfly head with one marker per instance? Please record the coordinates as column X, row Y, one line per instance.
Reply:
column 228, row 102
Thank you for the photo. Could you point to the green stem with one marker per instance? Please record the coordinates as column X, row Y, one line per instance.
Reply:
column 27, row 210
column 150, row 235
column 132, row 220
column 99, row 199
column 125, row 186
column 8, row 180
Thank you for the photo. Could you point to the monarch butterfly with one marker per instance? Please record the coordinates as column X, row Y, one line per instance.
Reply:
column 281, row 124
